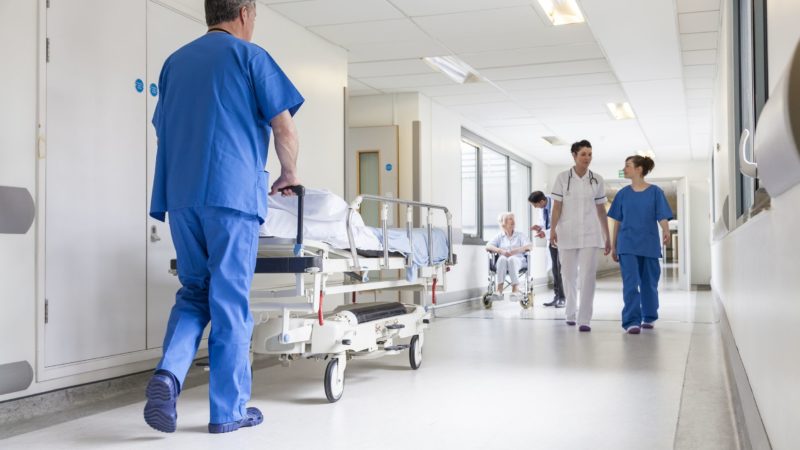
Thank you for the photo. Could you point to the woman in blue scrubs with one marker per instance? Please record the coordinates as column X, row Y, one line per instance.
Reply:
column 636, row 245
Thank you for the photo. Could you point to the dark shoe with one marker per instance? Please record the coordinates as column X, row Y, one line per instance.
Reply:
column 553, row 303
column 648, row 325
column 561, row 303
column 253, row 418
column 633, row 330
column 585, row 328
column 571, row 323
column 162, row 394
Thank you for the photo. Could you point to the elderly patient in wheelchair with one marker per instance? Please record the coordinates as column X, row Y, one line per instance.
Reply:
column 508, row 253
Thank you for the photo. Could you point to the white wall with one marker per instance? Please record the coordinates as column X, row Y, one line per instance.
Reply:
column 18, row 28
column 318, row 69
column 697, row 175
column 754, row 267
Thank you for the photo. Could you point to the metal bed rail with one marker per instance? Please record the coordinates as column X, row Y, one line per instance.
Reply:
column 385, row 203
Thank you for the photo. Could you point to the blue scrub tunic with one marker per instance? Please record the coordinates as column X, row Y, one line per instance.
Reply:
column 218, row 95
column 639, row 214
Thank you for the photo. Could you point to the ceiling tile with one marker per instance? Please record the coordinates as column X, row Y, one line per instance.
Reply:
column 327, row 12
column 560, row 81
column 656, row 98
column 698, row 57
column 547, row 70
column 699, row 22
column 699, row 93
column 496, row 22
column 698, row 83
column 534, row 55
column 389, row 68
column 687, row 6
column 385, row 51
column 699, row 41
column 704, row 71
column 472, row 99
column 428, row 7
column 407, row 81
column 346, row 35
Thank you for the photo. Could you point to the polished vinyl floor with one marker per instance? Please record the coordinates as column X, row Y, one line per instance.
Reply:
column 491, row 379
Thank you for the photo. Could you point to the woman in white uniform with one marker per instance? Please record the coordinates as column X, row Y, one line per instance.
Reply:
column 579, row 228
column 511, row 246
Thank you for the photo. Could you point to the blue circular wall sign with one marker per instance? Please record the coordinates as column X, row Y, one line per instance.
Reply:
column 139, row 85
column 388, row 167
column 153, row 89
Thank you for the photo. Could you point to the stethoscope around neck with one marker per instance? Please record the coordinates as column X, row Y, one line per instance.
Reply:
column 592, row 179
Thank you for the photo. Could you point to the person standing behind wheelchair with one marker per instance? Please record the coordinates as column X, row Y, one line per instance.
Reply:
column 579, row 227
column 539, row 200
column 511, row 246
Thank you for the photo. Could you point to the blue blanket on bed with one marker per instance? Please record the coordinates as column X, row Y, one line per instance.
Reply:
column 398, row 242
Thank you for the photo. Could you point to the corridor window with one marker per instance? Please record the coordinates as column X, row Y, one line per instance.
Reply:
column 495, row 190
column 469, row 188
column 492, row 181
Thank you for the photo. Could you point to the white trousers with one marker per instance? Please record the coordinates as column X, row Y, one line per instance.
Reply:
column 508, row 265
column 577, row 261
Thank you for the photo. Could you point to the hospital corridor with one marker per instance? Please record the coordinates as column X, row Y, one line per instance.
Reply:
column 399, row 224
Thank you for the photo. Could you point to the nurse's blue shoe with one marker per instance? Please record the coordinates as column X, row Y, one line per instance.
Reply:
column 253, row 418
column 162, row 394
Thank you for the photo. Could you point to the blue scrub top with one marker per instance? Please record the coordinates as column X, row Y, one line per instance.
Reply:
column 218, row 95
column 639, row 214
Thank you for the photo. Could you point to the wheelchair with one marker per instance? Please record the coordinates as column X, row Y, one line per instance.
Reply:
column 525, row 281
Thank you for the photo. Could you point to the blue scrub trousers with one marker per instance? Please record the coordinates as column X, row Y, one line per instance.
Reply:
column 640, row 276
column 216, row 249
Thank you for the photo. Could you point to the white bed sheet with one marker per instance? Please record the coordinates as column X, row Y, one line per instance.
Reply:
column 324, row 219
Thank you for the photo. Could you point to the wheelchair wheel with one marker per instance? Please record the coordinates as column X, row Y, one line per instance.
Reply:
column 487, row 301
column 527, row 301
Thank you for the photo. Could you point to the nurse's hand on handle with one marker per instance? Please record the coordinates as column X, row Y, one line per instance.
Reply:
column 283, row 183
column 665, row 236
column 553, row 238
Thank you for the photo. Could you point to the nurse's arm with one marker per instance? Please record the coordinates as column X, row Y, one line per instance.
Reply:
column 287, row 147
column 614, row 236
column 601, row 214
column 554, row 222
column 665, row 236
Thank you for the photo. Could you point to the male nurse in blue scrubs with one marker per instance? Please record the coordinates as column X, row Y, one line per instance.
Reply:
column 221, row 96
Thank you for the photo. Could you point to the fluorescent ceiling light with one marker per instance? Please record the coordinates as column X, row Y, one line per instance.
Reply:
column 562, row 12
column 457, row 70
column 555, row 140
column 621, row 111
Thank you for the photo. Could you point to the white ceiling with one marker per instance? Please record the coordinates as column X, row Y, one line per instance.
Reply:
column 540, row 80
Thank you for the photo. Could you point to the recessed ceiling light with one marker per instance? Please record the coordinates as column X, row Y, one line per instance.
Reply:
column 457, row 70
column 621, row 111
column 562, row 12
column 649, row 153
column 555, row 140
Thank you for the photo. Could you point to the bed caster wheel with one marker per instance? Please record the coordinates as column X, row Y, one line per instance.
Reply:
column 415, row 352
column 487, row 301
column 334, row 382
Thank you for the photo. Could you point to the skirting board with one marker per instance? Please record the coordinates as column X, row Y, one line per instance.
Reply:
column 752, row 434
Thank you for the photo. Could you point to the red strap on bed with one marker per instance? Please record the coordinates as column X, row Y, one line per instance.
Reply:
column 433, row 291
column 319, row 313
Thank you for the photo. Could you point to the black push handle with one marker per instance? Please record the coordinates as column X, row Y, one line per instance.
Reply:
column 300, row 191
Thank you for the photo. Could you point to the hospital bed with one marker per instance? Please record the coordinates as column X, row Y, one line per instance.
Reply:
column 291, row 323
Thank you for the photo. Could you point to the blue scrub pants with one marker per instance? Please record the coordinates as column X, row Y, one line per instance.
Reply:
column 216, row 249
column 640, row 276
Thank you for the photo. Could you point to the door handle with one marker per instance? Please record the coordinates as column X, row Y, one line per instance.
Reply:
column 747, row 167
column 154, row 234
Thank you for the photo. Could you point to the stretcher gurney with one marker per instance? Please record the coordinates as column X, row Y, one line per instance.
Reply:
column 296, row 326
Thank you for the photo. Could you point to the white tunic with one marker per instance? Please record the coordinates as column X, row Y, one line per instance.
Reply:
column 516, row 240
column 578, row 226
